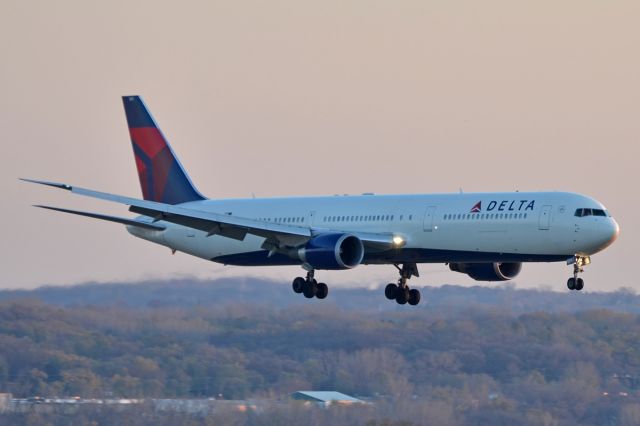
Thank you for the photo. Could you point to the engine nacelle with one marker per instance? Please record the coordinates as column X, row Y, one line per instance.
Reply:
column 332, row 251
column 488, row 271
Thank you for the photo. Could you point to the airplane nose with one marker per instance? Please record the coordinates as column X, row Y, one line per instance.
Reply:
column 615, row 231
column 609, row 232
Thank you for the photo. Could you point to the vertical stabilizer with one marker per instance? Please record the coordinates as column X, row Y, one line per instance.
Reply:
column 162, row 177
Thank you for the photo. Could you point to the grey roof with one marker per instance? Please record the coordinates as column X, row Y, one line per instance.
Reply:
column 328, row 396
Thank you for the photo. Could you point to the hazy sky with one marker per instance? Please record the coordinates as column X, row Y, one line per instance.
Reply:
column 298, row 97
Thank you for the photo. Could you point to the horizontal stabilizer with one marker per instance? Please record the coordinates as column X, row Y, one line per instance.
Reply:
column 116, row 219
column 47, row 183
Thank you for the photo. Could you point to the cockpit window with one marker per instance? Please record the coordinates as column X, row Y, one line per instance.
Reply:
column 590, row 212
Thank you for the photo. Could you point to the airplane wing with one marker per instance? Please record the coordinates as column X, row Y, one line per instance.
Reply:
column 122, row 220
column 276, row 235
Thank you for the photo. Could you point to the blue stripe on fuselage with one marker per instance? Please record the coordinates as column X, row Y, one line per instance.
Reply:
column 410, row 255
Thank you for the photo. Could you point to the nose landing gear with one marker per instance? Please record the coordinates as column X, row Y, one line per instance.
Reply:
column 401, row 291
column 575, row 283
column 310, row 287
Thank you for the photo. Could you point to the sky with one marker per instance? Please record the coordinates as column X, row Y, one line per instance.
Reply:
column 291, row 97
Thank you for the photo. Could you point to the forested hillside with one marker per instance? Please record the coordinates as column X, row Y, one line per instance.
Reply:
column 494, row 355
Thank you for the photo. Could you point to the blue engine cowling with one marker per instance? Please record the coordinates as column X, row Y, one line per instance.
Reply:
column 332, row 251
column 488, row 271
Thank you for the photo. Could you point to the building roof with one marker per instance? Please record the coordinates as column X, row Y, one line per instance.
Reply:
column 325, row 396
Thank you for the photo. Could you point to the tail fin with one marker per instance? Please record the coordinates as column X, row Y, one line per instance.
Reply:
column 162, row 178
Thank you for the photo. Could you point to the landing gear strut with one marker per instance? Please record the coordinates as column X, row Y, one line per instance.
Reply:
column 401, row 292
column 310, row 287
column 575, row 283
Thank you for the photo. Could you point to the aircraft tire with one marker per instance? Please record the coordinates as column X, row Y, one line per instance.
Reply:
column 309, row 289
column 402, row 296
column 571, row 283
column 390, row 291
column 414, row 297
column 322, row 291
column 579, row 284
column 298, row 284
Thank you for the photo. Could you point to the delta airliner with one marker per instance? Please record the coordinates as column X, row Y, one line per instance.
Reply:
column 484, row 235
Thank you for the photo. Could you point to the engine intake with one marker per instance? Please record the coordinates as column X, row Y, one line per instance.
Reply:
column 488, row 271
column 332, row 251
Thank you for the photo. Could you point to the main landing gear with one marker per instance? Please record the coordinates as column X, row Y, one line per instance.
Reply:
column 401, row 292
column 310, row 287
column 575, row 283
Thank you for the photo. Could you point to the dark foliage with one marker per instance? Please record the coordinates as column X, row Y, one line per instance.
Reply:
column 487, row 358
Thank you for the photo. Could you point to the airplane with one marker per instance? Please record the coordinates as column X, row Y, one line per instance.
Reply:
column 487, row 236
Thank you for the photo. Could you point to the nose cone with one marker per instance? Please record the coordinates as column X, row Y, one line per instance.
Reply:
column 608, row 232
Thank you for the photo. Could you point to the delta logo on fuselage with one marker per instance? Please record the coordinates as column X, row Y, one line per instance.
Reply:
column 505, row 206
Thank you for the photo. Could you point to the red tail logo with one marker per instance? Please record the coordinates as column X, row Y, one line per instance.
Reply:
column 477, row 208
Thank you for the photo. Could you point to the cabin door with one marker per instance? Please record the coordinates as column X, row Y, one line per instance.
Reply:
column 545, row 218
column 428, row 219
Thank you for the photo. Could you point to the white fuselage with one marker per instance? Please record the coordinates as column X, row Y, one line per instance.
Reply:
column 472, row 227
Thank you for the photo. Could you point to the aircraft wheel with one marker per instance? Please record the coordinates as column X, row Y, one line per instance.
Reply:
column 390, row 291
column 579, row 284
column 402, row 296
column 571, row 283
column 414, row 297
column 309, row 289
column 322, row 291
column 298, row 284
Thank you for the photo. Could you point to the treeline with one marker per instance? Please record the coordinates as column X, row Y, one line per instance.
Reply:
column 478, row 366
column 188, row 292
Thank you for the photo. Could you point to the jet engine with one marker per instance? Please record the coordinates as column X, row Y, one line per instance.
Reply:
column 488, row 271
column 332, row 251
